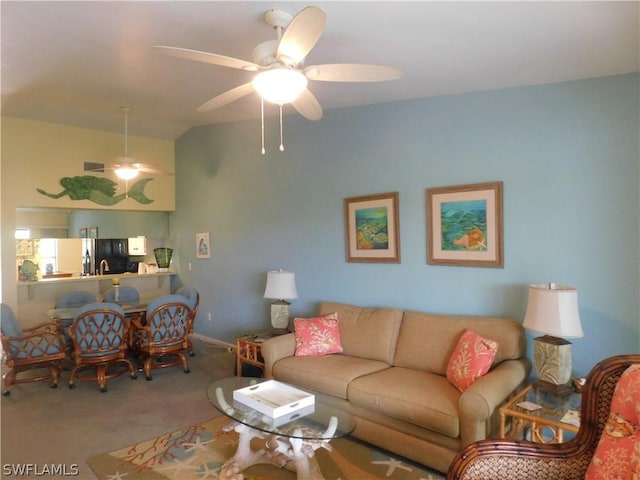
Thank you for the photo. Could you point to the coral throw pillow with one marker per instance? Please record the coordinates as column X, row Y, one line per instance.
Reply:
column 471, row 359
column 317, row 336
column 618, row 452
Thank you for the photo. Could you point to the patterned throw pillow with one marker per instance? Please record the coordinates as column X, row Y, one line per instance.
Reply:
column 618, row 452
column 471, row 359
column 317, row 336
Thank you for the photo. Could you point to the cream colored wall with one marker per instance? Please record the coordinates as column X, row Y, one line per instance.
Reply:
column 37, row 154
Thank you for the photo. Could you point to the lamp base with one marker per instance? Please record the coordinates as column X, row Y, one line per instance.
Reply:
column 552, row 358
column 280, row 314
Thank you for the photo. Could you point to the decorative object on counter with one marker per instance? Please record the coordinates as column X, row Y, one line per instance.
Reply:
column 116, row 290
column 99, row 190
column 163, row 257
column 203, row 245
column 281, row 285
column 553, row 311
column 28, row 271
column 372, row 232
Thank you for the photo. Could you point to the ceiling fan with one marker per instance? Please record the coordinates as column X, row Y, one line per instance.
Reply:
column 127, row 167
column 282, row 77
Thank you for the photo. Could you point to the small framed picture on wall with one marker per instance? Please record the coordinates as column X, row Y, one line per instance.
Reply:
column 203, row 246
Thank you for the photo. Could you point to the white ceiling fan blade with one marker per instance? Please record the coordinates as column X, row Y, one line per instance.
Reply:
column 227, row 97
column 352, row 72
column 149, row 168
column 308, row 106
column 301, row 35
column 207, row 57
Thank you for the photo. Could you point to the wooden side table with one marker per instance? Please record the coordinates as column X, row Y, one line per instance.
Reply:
column 249, row 350
column 545, row 415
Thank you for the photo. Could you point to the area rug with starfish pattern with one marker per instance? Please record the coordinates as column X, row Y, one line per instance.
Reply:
column 198, row 451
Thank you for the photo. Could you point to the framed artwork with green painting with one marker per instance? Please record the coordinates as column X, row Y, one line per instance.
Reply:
column 371, row 228
column 464, row 225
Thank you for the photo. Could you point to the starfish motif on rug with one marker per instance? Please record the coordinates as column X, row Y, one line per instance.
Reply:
column 393, row 464
column 196, row 446
column 117, row 475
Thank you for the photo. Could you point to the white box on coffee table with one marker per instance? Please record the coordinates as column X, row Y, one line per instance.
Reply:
column 274, row 398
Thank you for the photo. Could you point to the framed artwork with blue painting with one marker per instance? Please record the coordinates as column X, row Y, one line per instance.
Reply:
column 464, row 225
column 371, row 228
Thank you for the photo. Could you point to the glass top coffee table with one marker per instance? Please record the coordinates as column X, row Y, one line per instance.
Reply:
column 291, row 440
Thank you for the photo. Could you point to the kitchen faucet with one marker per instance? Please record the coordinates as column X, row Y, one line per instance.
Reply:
column 104, row 266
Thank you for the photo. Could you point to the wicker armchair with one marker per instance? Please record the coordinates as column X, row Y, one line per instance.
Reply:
column 164, row 337
column 100, row 332
column 40, row 347
column 513, row 460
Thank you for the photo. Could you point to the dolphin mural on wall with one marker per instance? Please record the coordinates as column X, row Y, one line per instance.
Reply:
column 99, row 190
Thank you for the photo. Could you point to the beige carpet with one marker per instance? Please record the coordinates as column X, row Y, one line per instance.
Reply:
column 198, row 451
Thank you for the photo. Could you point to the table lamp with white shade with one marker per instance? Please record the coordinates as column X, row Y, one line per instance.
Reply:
column 553, row 311
column 281, row 286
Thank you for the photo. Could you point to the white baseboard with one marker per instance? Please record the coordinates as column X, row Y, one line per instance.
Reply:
column 212, row 341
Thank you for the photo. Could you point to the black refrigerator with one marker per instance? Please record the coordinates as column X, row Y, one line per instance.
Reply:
column 114, row 251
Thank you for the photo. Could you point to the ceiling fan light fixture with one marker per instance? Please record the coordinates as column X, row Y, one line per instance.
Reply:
column 126, row 172
column 280, row 85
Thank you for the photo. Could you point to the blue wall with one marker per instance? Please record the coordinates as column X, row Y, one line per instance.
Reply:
column 568, row 155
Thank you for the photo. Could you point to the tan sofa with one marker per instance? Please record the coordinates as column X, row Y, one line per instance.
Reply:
column 392, row 377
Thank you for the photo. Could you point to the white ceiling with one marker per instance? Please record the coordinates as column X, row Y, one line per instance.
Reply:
column 77, row 63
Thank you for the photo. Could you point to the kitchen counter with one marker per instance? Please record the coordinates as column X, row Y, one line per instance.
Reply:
column 95, row 278
column 36, row 298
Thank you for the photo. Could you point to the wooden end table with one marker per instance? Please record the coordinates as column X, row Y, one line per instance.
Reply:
column 546, row 415
column 249, row 349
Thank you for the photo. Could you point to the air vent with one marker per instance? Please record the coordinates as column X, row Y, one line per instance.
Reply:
column 93, row 167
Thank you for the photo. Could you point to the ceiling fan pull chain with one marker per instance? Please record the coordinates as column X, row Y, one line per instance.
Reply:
column 281, row 142
column 262, row 123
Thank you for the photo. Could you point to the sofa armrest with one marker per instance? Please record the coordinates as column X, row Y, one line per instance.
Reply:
column 481, row 400
column 276, row 348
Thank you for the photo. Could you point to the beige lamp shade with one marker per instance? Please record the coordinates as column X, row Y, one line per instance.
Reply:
column 553, row 310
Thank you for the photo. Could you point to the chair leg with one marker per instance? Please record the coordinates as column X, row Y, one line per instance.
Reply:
column 8, row 378
column 147, row 368
column 72, row 375
column 185, row 362
column 101, row 376
column 54, row 370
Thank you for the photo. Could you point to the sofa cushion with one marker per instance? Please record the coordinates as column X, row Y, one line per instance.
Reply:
column 414, row 396
column 471, row 359
column 426, row 341
column 367, row 332
column 317, row 336
column 329, row 374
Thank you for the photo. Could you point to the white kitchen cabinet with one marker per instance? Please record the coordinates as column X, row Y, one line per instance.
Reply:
column 137, row 246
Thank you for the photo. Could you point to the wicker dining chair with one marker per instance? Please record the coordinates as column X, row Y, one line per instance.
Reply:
column 100, row 333
column 161, row 342
column 39, row 347
column 523, row 460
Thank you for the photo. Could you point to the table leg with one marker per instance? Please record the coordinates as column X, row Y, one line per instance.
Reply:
column 293, row 454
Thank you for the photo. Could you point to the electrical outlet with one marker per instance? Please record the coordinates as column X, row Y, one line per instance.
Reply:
column 209, row 316
column 189, row 266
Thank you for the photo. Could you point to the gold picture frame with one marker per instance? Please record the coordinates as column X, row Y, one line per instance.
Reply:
column 372, row 232
column 465, row 226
